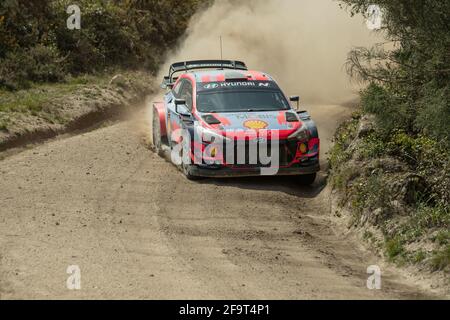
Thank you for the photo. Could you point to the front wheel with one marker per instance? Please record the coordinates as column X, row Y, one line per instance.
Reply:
column 307, row 179
column 186, row 168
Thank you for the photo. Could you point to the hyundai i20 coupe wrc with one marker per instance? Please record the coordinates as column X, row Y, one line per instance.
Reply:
column 219, row 119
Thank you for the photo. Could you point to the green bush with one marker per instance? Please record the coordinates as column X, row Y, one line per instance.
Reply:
column 408, row 93
column 409, row 83
column 373, row 146
column 104, row 39
column 37, row 46
column 391, row 113
column 394, row 248
column 44, row 64
column 37, row 64
column 345, row 133
column 433, row 115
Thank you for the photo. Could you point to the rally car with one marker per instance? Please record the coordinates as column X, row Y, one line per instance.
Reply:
column 219, row 119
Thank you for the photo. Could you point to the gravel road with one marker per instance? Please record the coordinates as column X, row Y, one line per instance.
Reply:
column 102, row 200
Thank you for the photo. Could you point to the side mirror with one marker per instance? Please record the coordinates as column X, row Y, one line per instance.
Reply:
column 180, row 107
column 295, row 99
column 180, row 102
column 166, row 84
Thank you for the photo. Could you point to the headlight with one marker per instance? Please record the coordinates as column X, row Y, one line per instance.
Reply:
column 301, row 134
column 210, row 136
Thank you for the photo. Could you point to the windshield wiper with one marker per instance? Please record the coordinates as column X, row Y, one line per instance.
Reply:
column 259, row 110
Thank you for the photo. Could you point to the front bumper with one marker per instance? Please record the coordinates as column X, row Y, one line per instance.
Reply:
column 309, row 167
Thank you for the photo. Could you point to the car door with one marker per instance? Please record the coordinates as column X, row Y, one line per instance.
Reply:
column 187, row 94
column 173, row 121
column 183, row 90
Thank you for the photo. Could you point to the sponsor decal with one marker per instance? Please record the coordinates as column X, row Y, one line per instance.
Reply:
column 302, row 148
column 243, row 116
column 255, row 124
column 238, row 84
column 232, row 84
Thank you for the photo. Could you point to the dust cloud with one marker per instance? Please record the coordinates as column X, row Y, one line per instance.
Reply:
column 303, row 44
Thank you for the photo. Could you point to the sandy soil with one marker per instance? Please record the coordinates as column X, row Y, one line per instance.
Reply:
column 138, row 229
column 66, row 108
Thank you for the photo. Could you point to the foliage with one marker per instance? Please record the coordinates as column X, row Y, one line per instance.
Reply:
column 441, row 259
column 345, row 134
column 37, row 64
column 37, row 46
column 371, row 171
column 409, row 81
column 62, row 103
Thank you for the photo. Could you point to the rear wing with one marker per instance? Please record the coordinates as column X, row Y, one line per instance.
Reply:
column 201, row 64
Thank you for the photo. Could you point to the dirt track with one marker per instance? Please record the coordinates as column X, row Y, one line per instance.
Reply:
column 138, row 229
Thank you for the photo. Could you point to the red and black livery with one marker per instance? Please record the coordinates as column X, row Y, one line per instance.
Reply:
column 226, row 100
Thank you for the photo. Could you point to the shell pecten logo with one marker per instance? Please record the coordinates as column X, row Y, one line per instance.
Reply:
column 255, row 124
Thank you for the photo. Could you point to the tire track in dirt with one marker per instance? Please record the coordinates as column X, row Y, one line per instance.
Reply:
column 138, row 229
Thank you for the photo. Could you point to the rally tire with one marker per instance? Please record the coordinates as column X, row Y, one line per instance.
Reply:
column 307, row 179
column 186, row 169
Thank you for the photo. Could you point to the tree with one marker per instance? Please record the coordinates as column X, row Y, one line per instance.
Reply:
column 410, row 83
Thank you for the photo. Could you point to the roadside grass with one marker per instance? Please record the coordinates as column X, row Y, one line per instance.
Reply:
column 36, row 100
column 3, row 125
column 441, row 259
column 344, row 136
column 416, row 229
column 442, row 237
column 423, row 222
column 403, row 239
column 395, row 250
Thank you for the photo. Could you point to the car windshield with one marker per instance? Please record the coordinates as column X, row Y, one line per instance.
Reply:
column 236, row 101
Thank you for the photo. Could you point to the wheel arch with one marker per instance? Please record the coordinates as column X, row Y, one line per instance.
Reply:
column 160, row 111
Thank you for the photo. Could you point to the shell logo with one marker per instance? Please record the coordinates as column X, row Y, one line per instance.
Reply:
column 255, row 124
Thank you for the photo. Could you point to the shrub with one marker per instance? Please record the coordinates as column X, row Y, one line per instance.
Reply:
column 372, row 146
column 409, row 82
column 441, row 259
column 394, row 248
column 38, row 64
column 342, row 139
column 433, row 115
column 36, row 45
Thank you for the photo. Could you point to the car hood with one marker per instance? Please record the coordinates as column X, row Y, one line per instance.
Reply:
column 262, row 120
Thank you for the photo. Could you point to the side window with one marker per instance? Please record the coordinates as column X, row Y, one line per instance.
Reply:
column 186, row 93
column 176, row 90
